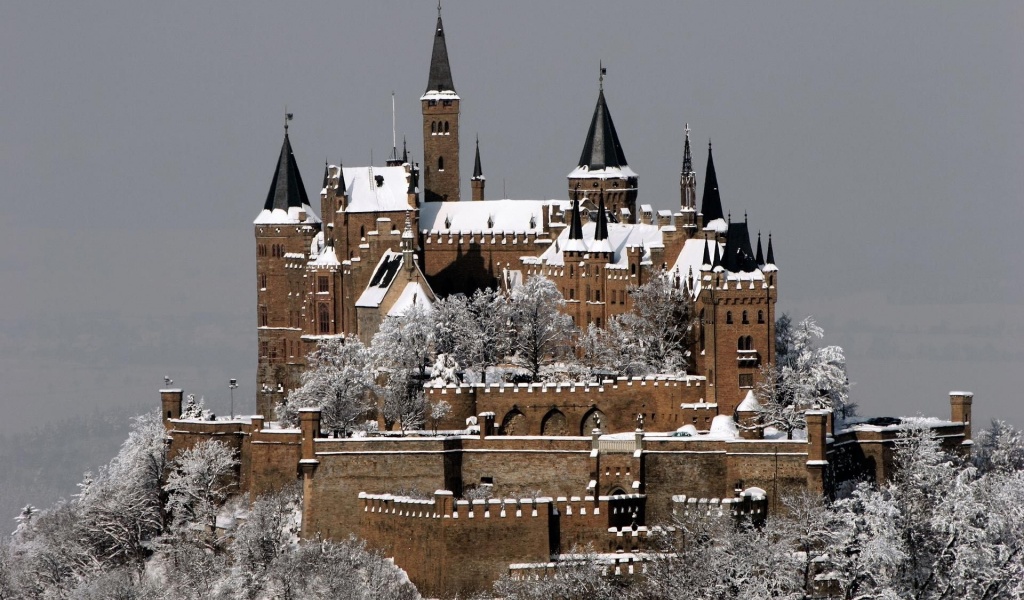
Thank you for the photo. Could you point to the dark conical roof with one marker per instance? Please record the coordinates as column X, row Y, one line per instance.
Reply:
column 325, row 174
column 341, row 179
column 707, row 254
column 739, row 258
column 601, row 230
column 286, row 188
column 478, row 171
column 440, row 71
column 602, row 148
column 770, row 259
column 711, row 205
column 718, row 257
column 687, row 158
column 760, row 255
column 576, row 225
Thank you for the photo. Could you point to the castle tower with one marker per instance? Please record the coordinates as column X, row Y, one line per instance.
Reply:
column 602, row 166
column 285, row 229
column 478, row 180
column 440, row 106
column 688, row 189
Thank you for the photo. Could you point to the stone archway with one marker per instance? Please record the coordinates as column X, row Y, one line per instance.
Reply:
column 591, row 420
column 554, row 423
column 514, row 423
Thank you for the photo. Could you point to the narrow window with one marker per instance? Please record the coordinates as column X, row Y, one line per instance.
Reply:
column 446, row 126
column 264, row 316
column 632, row 269
column 433, row 127
column 362, row 231
column 746, row 380
column 760, row 317
column 745, row 320
column 325, row 319
column 728, row 318
column 440, row 163
column 597, row 295
column 322, row 284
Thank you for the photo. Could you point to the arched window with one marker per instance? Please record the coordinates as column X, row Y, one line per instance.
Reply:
column 440, row 163
column 264, row 318
column 325, row 319
column 433, row 127
column 632, row 269
column 728, row 317
column 741, row 343
column 745, row 320
column 362, row 231
column 446, row 126
column 760, row 317
column 750, row 343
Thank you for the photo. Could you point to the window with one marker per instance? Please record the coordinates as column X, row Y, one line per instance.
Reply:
column 760, row 317
column 325, row 319
column 263, row 281
column 440, row 163
column 446, row 126
column 597, row 295
column 598, row 322
column 746, row 321
column 746, row 380
column 433, row 127
column 264, row 348
column 322, row 284
column 728, row 318
column 264, row 317
column 632, row 269
column 572, row 293
column 362, row 231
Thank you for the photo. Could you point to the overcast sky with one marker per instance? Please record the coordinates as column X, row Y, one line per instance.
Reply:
column 882, row 144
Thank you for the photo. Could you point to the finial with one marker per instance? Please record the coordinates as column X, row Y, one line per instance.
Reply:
column 600, row 79
column 709, row 144
column 745, row 216
column 730, row 217
column 287, row 117
column 438, row 9
column 686, row 128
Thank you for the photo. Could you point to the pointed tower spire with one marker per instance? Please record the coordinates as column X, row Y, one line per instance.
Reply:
column 324, row 186
column 602, row 148
column 476, row 183
column 286, row 188
column 601, row 231
column 711, row 204
column 687, row 159
column 478, row 171
column 759, row 257
column 440, row 71
column 405, row 152
column 706, row 263
column 576, row 225
column 770, row 259
column 717, row 264
column 341, row 180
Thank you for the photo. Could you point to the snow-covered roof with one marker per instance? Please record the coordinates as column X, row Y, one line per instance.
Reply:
column 440, row 95
column 412, row 295
column 585, row 172
column 487, row 216
column 366, row 195
column 717, row 225
column 750, row 403
column 326, row 258
column 280, row 216
column 620, row 237
column 383, row 276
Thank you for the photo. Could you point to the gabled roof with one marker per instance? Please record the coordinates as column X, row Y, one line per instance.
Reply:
column 602, row 149
column 440, row 71
column 367, row 193
column 488, row 216
column 711, row 204
column 380, row 282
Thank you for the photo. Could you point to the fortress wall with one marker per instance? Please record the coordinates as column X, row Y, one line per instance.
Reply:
column 520, row 466
column 184, row 434
column 274, row 458
column 681, row 466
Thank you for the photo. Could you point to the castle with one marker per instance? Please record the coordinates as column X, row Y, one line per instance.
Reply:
column 381, row 243
column 600, row 464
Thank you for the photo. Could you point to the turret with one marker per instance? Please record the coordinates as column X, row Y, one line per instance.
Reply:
column 711, row 205
column 440, row 105
column 478, row 180
column 602, row 166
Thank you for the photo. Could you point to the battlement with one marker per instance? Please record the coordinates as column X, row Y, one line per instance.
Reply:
column 751, row 503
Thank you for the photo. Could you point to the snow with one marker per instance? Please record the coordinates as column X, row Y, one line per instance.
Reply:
column 364, row 195
column 493, row 217
column 723, row 427
column 373, row 295
column 412, row 294
column 717, row 225
column 621, row 236
column 327, row 258
column 749, row 404
column 584, row 172
column 440, row 95
column 290, row 217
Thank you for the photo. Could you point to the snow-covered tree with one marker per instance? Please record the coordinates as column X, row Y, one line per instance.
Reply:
column 339, row 381
column 804, row 377
column 542, row 331
column 582, row 577
column 401, row 351
column 474, row 331
column 438, row 411
column 200, row 480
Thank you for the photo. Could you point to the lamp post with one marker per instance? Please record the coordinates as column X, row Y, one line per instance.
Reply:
column 232, row 384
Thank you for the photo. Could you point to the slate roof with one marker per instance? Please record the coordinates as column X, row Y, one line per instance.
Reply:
column 440, row 71
column 602, row 149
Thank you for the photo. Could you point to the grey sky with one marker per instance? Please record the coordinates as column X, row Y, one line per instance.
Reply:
column 881, row 143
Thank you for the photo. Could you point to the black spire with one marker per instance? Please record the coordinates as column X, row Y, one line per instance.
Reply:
column 687, row 159
column 286, row 188
column 324, row 186
column 760, row 255
column 711, row 205
column 771, row 253
column 707, row 254
column 576, row 225
column 440, row 71
column 718, row 257
column 738, row 258
column 602, row 148
column 478, row 171
column 405, row 152
column 341, row 179
column 601, row 231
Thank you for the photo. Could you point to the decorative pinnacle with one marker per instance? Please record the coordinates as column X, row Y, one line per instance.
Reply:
column 438, row 8
column 600, row 79
column 287, row 117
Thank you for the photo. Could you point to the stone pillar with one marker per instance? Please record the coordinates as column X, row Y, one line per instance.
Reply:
column 486, row 420
column 444, row 503
column 817, row 422
column 960, row 410
column 309, row 423
column 170, row 405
